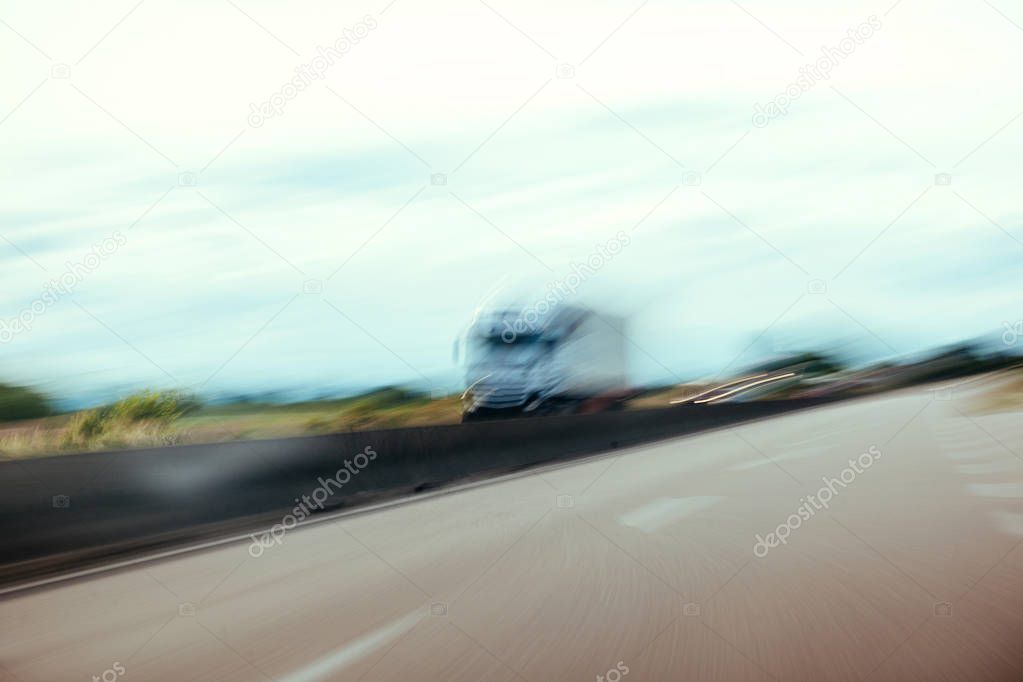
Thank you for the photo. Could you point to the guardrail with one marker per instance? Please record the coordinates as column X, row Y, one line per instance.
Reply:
column 72, row 511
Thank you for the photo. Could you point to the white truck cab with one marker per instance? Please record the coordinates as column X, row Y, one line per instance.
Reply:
column 541, row 359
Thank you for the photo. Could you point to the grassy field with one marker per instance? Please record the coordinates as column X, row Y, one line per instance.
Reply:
column 151, row 419
column 381, row 409
column 148, row 419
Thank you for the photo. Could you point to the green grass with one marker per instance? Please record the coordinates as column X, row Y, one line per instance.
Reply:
column 140, row 419
column 383, row 408
column 150, row 419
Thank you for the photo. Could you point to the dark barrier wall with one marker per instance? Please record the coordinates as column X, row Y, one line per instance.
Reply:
column 57, row 512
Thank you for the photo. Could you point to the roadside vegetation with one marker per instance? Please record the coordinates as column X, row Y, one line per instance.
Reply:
column 18, row 402
column 140, row 420
column 382, row 408
column 143, row 419
column 1004, row 394
column 30, row 428
column 151, row 418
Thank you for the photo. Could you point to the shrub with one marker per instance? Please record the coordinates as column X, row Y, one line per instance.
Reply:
column 165, row 406
column 135, row 419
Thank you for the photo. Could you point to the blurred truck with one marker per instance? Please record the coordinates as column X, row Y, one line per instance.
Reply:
column 519, row 361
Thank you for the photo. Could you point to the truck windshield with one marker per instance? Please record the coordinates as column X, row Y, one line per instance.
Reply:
column 520, row 340
column 518, row 350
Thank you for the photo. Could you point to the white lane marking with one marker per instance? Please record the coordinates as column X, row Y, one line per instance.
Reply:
column 764, row 460
column 752, row 464
column 996, row 489
column 354, row 650
column 1010, row 523
column 969, row 446
column 663, row 511
column 797, row 449
column 825, row 437
column 996, row 467
column 962, row 455
column 696, row 462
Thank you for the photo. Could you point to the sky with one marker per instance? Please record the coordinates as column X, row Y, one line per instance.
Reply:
column 342, row 238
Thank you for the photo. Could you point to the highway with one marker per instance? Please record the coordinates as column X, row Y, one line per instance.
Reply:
column 661, row 562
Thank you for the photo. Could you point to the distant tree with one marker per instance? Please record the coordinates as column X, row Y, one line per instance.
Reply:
column 18, row 402
column 109, row 423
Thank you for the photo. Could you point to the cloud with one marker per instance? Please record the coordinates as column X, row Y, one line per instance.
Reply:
column 653, row 128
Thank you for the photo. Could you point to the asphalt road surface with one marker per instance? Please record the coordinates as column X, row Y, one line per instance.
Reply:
column 641, row 565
